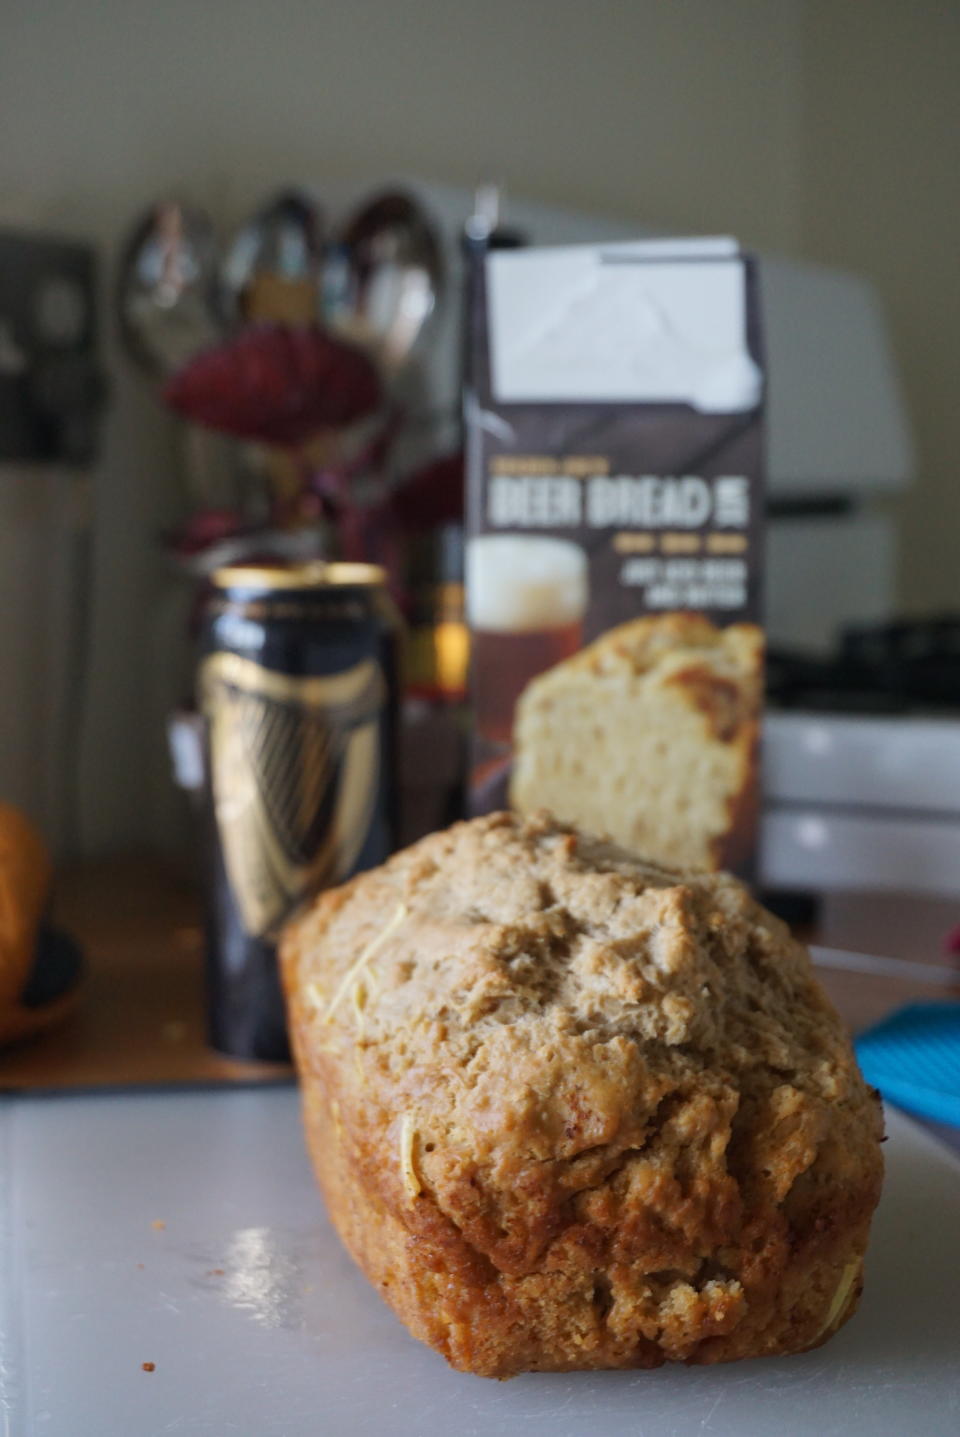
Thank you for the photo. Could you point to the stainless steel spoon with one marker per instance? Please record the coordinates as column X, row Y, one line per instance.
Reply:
column 274, row 267
column 167, row 300
column 385, row 276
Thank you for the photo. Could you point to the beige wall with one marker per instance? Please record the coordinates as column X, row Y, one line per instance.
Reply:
column 881, row 194
column 819, row 127
column 684, row 114
column 680, row 110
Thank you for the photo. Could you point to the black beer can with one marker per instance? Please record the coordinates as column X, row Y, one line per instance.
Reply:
column 298, row 685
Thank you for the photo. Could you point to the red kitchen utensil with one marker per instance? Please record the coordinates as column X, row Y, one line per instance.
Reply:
column 277, row 384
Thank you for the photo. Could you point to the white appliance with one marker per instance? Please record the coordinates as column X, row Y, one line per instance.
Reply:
column 849, row 802
column 838, row 433
column 861, row 802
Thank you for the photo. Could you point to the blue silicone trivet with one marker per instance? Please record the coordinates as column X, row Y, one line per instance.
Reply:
column 913, row 1057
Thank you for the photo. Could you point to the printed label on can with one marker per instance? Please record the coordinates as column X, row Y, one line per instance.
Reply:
column 294, row 771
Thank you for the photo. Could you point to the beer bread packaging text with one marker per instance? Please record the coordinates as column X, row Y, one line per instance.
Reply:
column 615, row 455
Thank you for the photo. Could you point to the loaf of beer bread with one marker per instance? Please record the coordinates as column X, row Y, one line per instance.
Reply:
column 570, row 1109
column 649, row 735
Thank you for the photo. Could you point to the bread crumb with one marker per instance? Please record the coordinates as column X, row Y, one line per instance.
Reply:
column 356, row 968
column 359, row 999
column 149, row 1366
column 850, row 1274
column 215, row 1272
column 407, row 1166
column 158, row 1224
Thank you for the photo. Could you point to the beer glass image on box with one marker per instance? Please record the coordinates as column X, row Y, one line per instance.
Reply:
column 613, row 558
column 528, row 597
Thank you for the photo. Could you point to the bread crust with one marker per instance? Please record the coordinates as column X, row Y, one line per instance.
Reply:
column 573, row 1110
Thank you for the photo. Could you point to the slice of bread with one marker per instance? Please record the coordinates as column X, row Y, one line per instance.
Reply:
column 649, row 735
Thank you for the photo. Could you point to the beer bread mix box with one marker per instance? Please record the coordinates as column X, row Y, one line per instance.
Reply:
column 614, row 530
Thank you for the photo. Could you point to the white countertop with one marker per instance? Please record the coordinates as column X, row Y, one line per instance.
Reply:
column 258, row 1323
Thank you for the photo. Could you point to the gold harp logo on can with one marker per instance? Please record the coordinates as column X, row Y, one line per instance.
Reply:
column 295, row 766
